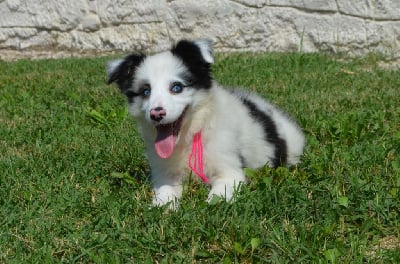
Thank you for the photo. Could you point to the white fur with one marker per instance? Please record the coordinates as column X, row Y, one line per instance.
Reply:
column 112, row 65
column 206, row 50
column 225, row 122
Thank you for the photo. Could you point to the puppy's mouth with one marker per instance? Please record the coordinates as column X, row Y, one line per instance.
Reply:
column 167, row 135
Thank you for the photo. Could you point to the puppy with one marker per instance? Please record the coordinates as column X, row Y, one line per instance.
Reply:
column 189, row 122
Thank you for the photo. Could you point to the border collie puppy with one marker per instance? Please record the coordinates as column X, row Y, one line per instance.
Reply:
column 189, row 122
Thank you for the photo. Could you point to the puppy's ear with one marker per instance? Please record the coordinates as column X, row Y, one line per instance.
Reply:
column 198, row 51
column 123, row 69
column 112, row 68
column 206, row 49
column 197, row 57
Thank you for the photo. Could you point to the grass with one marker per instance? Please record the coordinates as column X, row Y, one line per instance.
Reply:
column 73, row 185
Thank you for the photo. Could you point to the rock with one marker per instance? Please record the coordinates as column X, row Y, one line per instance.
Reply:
column 353, row 28
column 312, row 5
column 90, row 23
column 367, row 9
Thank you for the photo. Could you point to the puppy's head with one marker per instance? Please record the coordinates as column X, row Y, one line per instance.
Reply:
column 162, row 88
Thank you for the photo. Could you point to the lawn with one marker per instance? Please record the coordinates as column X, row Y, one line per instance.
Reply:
column 74, row 186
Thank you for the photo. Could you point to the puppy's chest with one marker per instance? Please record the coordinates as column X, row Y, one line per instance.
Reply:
column 193, row 157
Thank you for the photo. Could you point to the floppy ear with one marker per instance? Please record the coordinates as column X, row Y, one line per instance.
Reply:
column 112, row 68
column 197, row 57
column 206, row 49
column 123, row 69
column 198, row 51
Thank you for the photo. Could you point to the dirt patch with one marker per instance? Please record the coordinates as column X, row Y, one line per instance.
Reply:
column 385, row 243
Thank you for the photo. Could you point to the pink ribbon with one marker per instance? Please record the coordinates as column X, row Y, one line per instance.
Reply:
column 196, row 161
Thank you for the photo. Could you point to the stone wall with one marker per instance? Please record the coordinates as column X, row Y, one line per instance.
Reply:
column 350, row 27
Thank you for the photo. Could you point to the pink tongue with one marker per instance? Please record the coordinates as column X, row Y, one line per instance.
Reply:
column 165, row 141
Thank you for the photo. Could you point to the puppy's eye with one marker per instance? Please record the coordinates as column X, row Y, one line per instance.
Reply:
column 176, row 87
column 146, row 91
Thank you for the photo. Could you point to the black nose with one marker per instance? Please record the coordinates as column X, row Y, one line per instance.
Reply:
column 157, row 114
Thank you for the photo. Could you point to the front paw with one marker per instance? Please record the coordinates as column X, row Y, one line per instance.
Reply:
column 167, row 194
column 223, row 191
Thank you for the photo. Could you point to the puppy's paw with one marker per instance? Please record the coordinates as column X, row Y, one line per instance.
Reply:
column 223, row 191
column 166, row 194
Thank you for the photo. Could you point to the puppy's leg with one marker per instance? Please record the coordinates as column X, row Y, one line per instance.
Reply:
column 165, row 193
column 226, row 183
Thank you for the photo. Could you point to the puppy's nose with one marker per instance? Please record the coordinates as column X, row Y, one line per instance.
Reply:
column 157, row 114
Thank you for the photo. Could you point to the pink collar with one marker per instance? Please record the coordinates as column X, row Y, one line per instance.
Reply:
column 196, row 162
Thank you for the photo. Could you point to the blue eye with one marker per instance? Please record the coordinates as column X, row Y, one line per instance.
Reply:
column 176, row 88
column 146, row 91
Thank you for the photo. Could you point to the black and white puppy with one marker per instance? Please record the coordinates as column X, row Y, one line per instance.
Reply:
column 188, row 121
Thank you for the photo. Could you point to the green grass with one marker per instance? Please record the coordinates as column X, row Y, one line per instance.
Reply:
column 73, row 185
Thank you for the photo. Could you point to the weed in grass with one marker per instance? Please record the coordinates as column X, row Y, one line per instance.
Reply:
column 73, row 176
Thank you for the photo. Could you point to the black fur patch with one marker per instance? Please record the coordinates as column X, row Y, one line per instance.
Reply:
column 271, row 134
column 200, row 70
column 124, row 73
